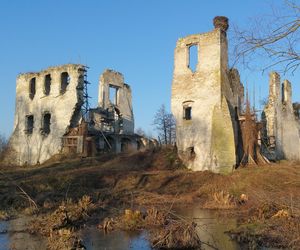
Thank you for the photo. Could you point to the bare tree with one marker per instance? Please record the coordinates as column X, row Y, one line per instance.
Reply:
column 165, row 125
column 140, row 131
column 275, row 38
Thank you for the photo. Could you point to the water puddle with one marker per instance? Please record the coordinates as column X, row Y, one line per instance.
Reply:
column 116, row 240
column 210, row 227
column 13, row 235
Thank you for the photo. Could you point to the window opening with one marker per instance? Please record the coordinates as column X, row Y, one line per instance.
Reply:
column 187, row 113
column 193, row 57
column 32, row 88
column 29, row 124
column 47, row 84
column 191, row 153
column 65, row 80
column 113, row 95
column 125, row 145
column 46, row 123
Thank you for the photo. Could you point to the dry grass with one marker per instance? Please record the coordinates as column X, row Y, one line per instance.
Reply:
column 276, row 232
column 4, row 215
column 151, row 177
column 132, row 220
column 166, row 231
column 60, row 226
column 176, row 235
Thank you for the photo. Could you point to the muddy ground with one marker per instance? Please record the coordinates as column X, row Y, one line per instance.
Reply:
column 265, row 199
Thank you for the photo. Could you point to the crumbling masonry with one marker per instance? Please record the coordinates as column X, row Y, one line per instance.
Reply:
column 281, row 136
column 214, row 131
column 49, row 117
column 207, row 103
column 47, row 103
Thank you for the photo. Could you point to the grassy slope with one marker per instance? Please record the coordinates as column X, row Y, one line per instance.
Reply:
column 158, row 177
column 157, row 174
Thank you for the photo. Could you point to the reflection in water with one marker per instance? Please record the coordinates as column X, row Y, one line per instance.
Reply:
column 17, row 238
column 4, row 240
column 117, row 240
column 211, row 228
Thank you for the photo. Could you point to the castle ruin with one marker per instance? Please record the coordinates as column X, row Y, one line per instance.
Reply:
column 212, row 126
column 207, row 103
column 52, row 117
column 282, row 125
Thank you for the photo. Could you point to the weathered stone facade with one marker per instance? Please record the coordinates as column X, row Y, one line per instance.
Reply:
column 206, row 102
column 113, row 119
column 47, row 104
column 120, row 99
column 282, row 126
column 50, row 118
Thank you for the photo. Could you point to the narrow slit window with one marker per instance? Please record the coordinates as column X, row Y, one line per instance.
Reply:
column 187, row 113
column 113, row 95
column 32, row 88
column 65, row 80
column 46, row 123
column 193, row 57
column 47, row 84
column 29, row 124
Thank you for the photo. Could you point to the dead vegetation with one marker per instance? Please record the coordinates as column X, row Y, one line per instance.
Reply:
column 270, row 225
column 176, row 235
column 133, row 220
column 65, row 239
column 4, row 215
column 60, row 226
column 166, row 231
column 150, row 178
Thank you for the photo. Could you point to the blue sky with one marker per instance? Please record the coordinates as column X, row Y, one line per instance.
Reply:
column 134, row 37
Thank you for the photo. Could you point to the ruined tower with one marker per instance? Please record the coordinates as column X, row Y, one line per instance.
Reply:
column 206, row 101
column 282, row 128
column 114, row 92
column 48, row 103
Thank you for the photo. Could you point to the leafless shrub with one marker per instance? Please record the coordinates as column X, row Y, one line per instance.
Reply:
column 176, row 235
column 165, row 232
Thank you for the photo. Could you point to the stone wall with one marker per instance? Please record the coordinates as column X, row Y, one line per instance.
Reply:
column 281, row 126
column 47, row 104
column 211, row 93
column 123, row 99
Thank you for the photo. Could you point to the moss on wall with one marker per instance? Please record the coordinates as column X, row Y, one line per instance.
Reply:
column 223, row 147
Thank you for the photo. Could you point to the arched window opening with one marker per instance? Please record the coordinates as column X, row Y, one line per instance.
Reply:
column 65, row 80
column 32, row 88
column 47, row 84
